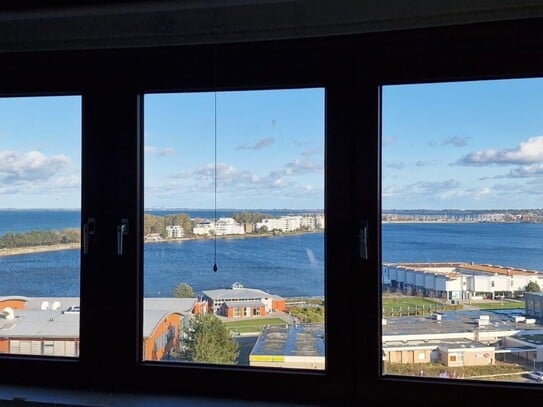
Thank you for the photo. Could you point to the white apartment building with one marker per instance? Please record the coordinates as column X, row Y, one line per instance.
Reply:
column 175, row 231
column 223, row 226
column 292, row 223
column 459, row 281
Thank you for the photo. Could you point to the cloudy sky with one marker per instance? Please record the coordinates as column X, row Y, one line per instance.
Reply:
column 40, row 152
column 469, row 145
column 269, row 150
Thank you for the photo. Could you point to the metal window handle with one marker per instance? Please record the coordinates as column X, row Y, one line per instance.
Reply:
column 89, row 228
column 363, row 240
column 122, row 230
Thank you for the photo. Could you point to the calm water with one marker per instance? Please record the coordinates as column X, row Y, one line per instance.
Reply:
column 283, row 265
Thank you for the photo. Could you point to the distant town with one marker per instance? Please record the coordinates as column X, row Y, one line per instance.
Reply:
column 181, row 226
column 467, row 216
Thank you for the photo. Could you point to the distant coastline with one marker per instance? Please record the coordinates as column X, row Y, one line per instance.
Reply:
column 14, row 251
column 73, row 246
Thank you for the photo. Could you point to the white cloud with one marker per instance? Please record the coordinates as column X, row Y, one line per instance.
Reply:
column 527, row 152
column 161, row 152
column 456, row 141
column 524, row 171
column 259, row 145
column 30, row 166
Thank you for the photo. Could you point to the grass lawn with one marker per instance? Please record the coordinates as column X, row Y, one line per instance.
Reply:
column 396, row 305
column 405, row 301
column 499, row 305
column 433, row 369
column 252, row 325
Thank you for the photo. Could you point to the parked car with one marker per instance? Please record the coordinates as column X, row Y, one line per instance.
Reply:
column 537, row 375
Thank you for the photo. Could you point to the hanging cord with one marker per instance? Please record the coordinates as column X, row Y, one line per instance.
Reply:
column 215, row 268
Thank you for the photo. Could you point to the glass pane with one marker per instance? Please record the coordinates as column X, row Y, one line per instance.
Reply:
column 235, row 180
column 462, row 230
column 40, row 201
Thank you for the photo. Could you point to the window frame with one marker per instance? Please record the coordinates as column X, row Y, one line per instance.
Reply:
column 352, row 69
column 112, row 185
column 472, row 52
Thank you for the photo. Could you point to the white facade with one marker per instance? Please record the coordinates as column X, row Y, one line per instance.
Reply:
column 223, row 226
column 292, row 223
column 228, row 226
column 175, row 231
column 458, row 282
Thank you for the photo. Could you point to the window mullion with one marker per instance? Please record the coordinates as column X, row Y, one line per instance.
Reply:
column 109, row 294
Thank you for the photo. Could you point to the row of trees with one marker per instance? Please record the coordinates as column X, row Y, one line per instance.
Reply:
column 157, row 224
column 40, row 238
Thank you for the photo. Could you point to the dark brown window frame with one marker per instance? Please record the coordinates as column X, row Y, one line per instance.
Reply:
column 352, row 69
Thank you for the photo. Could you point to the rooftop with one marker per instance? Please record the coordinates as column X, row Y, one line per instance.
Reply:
column 291, row 340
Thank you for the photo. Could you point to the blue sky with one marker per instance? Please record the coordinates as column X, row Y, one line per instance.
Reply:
column 270, row 150
column 40, row 152
column 466, row 145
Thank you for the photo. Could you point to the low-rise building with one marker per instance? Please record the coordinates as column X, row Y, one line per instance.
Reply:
column 50, row 326
column 237, row 302
column 462, row 338
column 459, row 281
column 300, row 346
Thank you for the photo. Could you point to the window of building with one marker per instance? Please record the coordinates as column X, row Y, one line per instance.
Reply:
column 355, row 73
column 40, row 218
column 229, row 160
column 447, row 202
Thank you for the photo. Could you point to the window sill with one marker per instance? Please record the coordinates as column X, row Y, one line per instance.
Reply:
column 49, row 397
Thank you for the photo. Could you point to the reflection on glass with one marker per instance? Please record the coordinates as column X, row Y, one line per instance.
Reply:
column 234, row 228
column 462, row 230
column 40, row 160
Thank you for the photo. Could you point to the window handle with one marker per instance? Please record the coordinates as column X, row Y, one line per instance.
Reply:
column 363, row 240
column 122, row 230
column 89, row 228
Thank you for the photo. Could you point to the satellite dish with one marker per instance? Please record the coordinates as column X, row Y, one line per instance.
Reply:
column 44, row 305
column 8, row 312
column 56, row 305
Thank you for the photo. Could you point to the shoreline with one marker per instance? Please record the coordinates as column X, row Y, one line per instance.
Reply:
column 38, row 249
column 15, row 251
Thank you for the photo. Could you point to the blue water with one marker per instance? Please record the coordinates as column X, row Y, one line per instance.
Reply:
column 283, row 265
column 506, row 244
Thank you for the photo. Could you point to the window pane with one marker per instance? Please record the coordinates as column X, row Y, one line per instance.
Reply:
column 462, row 230
column 235, row 180
column 40, row 193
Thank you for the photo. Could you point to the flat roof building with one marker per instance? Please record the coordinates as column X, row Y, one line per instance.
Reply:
column 290, row 346
column 459, row 281
column 50, row 325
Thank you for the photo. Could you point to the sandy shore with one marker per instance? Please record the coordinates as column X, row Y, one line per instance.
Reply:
column 38, row 249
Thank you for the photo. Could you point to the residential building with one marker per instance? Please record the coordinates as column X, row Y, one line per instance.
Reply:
column 238, row 302
column 175, row 231
column 222, row 227
column 459, row 281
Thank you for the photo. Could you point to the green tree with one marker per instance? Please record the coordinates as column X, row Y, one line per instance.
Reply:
column 532, row 287
column 183, row 290
column 209, row 341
